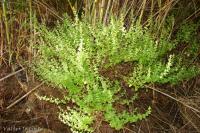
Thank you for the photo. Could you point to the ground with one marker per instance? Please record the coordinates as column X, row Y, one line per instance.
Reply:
column 30, row 115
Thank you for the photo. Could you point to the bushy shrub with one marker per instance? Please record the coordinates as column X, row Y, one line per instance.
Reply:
column 72, row 55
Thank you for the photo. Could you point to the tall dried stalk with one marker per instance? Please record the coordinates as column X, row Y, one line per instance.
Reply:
column 6, row 26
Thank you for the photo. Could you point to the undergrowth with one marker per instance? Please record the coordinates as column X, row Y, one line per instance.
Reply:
column 72, row 54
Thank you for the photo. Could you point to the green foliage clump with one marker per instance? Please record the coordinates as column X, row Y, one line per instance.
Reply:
column 187, row 32
column 188, row 35
column 79, row 121
column 72, row 55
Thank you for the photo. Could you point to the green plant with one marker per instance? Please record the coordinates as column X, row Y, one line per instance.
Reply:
column 187, row 32
column 78, row 121
column 72, row 55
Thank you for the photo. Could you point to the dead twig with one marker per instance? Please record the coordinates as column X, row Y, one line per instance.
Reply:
column 175, row 99
column 18, row 100
column 11, row 74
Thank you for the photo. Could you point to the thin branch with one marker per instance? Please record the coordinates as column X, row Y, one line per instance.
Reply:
column 21, row 98
column 175, row 99
column 11, row 74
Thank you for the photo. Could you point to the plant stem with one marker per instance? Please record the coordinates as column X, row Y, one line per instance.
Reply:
column 31, row 29
column 106, row 14
column 6, row 26
column 142, row 11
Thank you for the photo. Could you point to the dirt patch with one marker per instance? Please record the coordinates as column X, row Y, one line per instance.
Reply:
column 29, row 114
